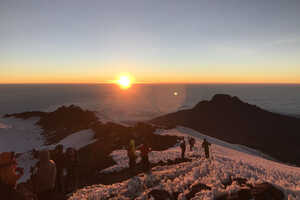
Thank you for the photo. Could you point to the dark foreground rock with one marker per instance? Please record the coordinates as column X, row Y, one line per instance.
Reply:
column 160, row 195
column 230, row 119
column 194, row 189
column 239, row 181
column 165, row 195
column 262, row 191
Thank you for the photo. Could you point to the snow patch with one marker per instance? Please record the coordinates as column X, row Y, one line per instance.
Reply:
column 79, row 139
column 20, row 135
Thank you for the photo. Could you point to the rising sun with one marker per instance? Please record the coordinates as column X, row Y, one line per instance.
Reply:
column 124, row 82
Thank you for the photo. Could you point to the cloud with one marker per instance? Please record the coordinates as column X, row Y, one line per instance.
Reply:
column 285, row 41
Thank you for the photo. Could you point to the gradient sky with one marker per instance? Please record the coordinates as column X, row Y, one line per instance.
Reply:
column 87, row 41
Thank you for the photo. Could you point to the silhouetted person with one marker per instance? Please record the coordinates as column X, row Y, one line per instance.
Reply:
column 145, row 150
column 192, row 143
column 183, row 148
column 59, row 159
column 44, row 179
column 205, row 146
column 9, row 174
column 72, row 170
column 131, row 154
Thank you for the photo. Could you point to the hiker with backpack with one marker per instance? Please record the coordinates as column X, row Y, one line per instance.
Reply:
column 183, row 148
column 192, row 143
column 205, row 146
column 145, row 150
column 71, row 169
column 44, row 176
column 59, row 159
column 131, row 154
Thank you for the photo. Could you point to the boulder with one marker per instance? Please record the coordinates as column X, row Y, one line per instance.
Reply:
column 160, row 195
column 262, row 191
column 266, row 191
column 194, row 189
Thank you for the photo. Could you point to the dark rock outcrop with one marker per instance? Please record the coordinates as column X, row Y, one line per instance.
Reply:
column 194, row 189
column 119, row 136
column 160, row 195
column 65, row 121
column 60, row 123
column 239, row 181
column 266, row 191
column 230, row 119
column 262, row 191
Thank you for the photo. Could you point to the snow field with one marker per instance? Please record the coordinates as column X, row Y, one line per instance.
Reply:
column 21, row 136
column 227, row 162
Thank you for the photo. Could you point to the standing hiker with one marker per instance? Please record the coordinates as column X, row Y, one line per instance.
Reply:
column 59, row 159
column 183, row 148
column 72, row 169
column 131, row 154
column 145, row 150
column 205, row 146
column 44, row 179
column 192, row 143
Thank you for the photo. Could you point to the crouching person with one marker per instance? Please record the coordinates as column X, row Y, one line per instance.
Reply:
column 45, row 176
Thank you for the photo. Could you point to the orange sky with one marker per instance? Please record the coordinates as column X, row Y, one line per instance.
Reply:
column 49, row 79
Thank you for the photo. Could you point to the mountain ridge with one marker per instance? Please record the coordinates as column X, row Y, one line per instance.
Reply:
column 230, row 119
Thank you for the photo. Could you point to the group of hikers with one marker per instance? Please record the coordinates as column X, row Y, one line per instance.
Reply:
column 48, row 177
column 145, row 150
column 60, row 175
column 131, row 153
column 192, row 142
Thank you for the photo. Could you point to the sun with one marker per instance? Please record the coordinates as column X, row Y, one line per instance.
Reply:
column 124, row 82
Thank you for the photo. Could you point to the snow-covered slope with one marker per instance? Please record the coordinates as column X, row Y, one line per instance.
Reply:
column 227, row 161
column 21, row 136
column 76, row 140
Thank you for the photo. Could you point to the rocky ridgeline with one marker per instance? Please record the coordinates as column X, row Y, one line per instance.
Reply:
column 232, row 120
column 60, row 123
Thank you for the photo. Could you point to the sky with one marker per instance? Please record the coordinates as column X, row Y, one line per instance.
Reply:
column 154, row 41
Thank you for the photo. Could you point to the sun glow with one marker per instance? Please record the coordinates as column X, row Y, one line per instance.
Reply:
column 124, row 82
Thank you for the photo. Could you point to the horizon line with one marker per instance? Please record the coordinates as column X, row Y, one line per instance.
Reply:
column 157, row 83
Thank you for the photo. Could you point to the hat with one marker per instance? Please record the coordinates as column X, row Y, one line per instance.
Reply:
column 6, row 159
